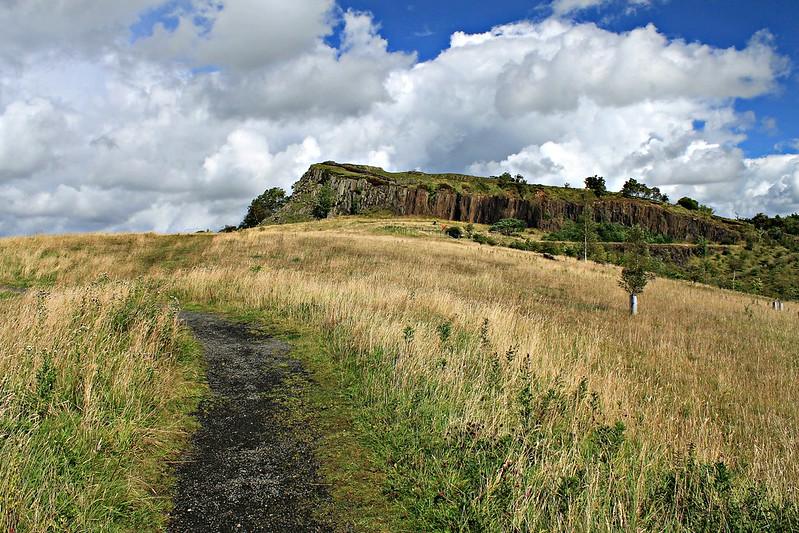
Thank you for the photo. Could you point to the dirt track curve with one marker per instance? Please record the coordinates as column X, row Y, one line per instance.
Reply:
column 250, row 467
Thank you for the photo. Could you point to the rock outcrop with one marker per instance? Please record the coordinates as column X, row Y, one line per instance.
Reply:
column 357, row 189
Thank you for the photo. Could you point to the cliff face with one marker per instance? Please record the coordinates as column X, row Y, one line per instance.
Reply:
column 357, row 189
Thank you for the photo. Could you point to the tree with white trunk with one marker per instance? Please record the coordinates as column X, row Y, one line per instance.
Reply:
column 635, row 274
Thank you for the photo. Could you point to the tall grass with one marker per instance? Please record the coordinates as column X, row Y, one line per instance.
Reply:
column 503, row 391
column 96, row 384
column 546, row 405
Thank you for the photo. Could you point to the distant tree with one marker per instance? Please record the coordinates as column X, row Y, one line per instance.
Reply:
column 228, row 229
column 631, row 188
column 587, row 227
column 706, row 209
column 263, row 207
column 635, row 275
column 508, row 226
column 634, row 189
column 688, row 203
column 596, row 184
column 506, row 179
column 324, row 202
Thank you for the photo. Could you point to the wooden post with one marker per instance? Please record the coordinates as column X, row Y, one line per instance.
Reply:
column 633, row 304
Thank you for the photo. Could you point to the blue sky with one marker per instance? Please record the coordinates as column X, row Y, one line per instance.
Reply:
column 425, row 28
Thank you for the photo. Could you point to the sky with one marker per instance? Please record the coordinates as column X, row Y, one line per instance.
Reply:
column 148, row 115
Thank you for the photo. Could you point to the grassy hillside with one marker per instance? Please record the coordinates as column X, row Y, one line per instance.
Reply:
column 497, row 390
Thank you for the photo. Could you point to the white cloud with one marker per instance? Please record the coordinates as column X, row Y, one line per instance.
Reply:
column 324, row 80
column 46, row 26
column 567, row 63
column 245, row 34
column 109, row 135
column 28, row 135
column 568, row 7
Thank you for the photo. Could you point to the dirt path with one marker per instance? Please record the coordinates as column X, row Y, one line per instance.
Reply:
column 251, row 468
column 13, row 290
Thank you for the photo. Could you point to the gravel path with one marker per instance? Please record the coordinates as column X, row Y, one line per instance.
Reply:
column 251, row 468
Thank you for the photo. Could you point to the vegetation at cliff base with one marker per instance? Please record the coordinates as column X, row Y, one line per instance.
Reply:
column 263, row 207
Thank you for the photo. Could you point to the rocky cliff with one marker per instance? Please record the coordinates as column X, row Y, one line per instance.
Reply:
column 354, row 189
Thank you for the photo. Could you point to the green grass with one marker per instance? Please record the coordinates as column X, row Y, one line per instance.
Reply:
column 401, row 231
column 397, row 460
column 88, row 422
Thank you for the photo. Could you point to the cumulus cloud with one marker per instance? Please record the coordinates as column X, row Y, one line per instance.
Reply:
column 178, row 130
column 325, row 80
column 44, row 26
column 244, row 34
column 567, row 63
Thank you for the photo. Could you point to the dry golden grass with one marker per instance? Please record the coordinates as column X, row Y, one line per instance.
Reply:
column 701, row 369
column 93, row 398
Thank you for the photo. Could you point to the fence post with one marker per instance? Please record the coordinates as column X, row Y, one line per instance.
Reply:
column 633, row 304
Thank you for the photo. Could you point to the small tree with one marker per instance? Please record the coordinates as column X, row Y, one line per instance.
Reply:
column 635, row 274
column 324, row 202
column 596, row 184
column 263, row 207
column 508, row 226
column 587, row 227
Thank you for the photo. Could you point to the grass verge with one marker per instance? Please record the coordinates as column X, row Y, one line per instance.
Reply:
column 96, row 389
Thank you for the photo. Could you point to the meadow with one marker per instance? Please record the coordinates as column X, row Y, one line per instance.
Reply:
column 496, row 389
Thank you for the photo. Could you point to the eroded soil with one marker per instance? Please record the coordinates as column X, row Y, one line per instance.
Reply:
column 251, row 466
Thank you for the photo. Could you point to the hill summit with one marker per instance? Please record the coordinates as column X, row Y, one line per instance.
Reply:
column 331, row 189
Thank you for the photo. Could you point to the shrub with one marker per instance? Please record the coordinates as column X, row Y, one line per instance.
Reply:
column 552, row 248
column 324, row 202
column 481, row 238
column 526, row 245
column 454, row 231
column 509, row 226
column 688, row 203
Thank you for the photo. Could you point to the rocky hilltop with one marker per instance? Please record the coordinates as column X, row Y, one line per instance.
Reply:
column 351, row 189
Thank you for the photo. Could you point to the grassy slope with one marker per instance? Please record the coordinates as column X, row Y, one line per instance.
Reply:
column 497, row 390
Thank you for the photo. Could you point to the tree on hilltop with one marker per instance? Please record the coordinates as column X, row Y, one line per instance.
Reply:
column 596, row 184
